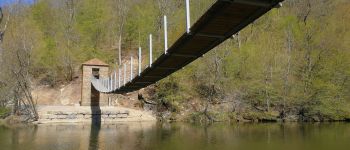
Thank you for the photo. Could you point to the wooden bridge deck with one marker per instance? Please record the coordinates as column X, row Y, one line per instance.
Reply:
column 222, row 20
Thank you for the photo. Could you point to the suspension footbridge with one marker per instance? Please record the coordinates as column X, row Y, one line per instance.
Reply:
column 221, row 21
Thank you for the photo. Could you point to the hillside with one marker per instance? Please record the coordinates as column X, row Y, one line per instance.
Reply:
column 291, row 64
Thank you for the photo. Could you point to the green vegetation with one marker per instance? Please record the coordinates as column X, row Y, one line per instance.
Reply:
column 294, row 61
column 4, row 112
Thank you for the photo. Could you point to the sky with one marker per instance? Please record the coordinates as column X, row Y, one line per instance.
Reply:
column 6, row 2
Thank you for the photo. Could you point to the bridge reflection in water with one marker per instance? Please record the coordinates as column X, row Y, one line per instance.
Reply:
column 95, row 127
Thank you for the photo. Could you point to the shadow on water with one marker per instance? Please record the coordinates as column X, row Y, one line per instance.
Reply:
column 95, row 117
column 14, row 139
column 95, row 127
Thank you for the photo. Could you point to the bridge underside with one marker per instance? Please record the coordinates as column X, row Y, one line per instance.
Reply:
column 222, row 20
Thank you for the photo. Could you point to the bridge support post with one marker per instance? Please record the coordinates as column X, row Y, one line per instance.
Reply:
column 115, row 79
column 111, row 82
column 165, row 35
column 124, row 74
column 140, row 61
column 106, row 84
column 150, row 50
column 188, row 21
column 119, row 77
column 131, row 68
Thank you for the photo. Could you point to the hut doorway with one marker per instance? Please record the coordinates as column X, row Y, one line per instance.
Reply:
column 95, row 95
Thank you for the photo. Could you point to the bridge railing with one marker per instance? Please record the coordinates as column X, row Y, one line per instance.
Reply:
column 174, row 25
column 193, row 10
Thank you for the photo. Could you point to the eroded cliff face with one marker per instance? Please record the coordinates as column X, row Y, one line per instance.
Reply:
column 70, row 95
column 65, row 95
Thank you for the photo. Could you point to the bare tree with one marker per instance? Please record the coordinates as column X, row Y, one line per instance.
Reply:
column 16, row 64
column 288, row 67
column 122, row 11
column 2, row 31
column 67, row 58
column 210, row 83
column 23, row 91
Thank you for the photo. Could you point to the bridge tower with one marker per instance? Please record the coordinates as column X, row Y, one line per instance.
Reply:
column 89, row 95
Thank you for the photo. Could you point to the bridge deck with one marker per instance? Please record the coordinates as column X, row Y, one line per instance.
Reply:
column 222, row 20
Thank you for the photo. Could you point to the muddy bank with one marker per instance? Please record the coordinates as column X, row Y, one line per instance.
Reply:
column 274, row 116
column 195, row 112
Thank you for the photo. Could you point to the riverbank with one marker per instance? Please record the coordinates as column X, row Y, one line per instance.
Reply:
column 2, row 121
column 128, row 116
column 223, row 113
column 262, row 117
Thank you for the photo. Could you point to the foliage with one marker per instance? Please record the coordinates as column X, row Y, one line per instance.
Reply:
column 169, row 94
column 4, row 112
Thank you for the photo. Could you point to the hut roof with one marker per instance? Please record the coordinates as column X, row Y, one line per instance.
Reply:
column 95, row 62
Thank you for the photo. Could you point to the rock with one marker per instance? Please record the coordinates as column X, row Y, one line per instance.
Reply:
column 122, row 115
column 58, row 113
column 316, row 118
column 71, row 116
column 51, row 117
column 107, row 112
column 115, row 112
column 125, row 112
column 61, row 116
column 83, row 113
column 113, row 116
column 104, row 116
column 80, row 116
column 87, row 116
column 291, row 118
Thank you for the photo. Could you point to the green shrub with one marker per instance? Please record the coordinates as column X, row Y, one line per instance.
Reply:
column 4, row 112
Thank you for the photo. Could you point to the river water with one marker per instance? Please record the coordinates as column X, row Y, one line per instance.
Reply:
column 178, row 136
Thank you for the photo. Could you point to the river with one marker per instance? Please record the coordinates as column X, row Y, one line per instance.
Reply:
column 178, row 136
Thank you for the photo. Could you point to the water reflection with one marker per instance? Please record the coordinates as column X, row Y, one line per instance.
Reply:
column 156, row 136
column 95, row 127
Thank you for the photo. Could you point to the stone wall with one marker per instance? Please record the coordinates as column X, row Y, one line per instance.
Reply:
column 86, row 114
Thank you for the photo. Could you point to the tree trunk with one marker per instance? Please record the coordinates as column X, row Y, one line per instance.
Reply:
column 286, row 75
